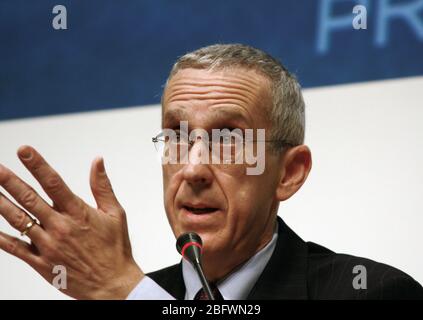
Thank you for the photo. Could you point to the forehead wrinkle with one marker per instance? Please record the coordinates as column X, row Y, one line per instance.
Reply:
column 220, row 112
column 235, row 113
column 244, row 91
column 248, row 84
column 182, row 92
column 234, row 100
column 226, row 87
column 239, row 84
column 214, row 97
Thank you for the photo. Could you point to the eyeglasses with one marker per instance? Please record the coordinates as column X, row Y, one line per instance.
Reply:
column 223, row 147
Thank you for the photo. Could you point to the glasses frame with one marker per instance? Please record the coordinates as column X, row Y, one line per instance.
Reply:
column 282, row 143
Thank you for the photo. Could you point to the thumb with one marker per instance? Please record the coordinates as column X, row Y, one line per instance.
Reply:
column 102, row 188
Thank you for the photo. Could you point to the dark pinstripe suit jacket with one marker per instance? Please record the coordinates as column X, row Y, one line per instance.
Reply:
column 305, row 270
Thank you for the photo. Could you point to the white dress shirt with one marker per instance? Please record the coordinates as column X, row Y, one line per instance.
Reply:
column 236, row 286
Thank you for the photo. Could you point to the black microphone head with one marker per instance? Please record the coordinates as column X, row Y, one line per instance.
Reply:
column 189, row 245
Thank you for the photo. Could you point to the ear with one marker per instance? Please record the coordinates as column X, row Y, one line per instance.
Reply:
column 296, row 165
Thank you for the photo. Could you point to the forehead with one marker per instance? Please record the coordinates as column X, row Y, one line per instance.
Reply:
column 216, row 95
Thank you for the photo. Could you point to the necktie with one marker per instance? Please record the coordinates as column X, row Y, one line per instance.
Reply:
column 202, row 295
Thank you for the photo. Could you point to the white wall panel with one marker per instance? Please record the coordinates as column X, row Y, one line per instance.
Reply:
column 363, row 195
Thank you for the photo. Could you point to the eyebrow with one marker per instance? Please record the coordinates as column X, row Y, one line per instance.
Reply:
column 174, row 115
column 231, row 114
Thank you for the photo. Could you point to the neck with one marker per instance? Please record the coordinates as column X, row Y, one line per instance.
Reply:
column 219, row 266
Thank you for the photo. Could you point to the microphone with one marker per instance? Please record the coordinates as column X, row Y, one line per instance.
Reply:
column 189, row 245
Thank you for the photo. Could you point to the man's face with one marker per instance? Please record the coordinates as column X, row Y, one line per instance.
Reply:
column 232, row 212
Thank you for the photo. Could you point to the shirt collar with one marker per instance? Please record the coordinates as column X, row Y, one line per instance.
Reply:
column 238, row 284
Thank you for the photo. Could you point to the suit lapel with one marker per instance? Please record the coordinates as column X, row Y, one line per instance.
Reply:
column 171, row 279
column 285, row 275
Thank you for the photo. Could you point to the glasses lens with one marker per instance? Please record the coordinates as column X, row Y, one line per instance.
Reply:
column 226, row 148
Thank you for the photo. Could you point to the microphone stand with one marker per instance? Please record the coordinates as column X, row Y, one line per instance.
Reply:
column 204, row 282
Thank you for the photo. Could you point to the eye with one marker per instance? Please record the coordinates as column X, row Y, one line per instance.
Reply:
column 231, row 136
column 181, row 136
column 178, row 135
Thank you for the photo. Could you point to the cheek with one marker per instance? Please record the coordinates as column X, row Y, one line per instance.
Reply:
column 171, row 180
column 166, row 181
column 243, row 206
column 171, row 184
column 241, row 197
column 248, row 201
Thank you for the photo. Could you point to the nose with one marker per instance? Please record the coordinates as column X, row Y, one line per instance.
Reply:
column 197, row 172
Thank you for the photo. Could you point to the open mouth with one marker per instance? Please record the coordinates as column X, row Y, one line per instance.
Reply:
column 204, row 210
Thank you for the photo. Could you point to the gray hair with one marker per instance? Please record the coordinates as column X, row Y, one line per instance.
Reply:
column 287, row 115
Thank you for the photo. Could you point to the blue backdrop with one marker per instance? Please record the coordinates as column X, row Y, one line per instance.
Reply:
column 118, row 53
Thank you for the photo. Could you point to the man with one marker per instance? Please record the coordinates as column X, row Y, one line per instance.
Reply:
column 248, row 252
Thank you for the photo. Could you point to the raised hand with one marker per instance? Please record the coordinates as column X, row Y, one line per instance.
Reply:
column 92, row 244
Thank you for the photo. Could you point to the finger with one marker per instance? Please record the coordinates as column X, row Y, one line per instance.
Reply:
column 19, row 220
column 49, row 180
column 21, row 250
column 102, row 188
column 25, row 195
